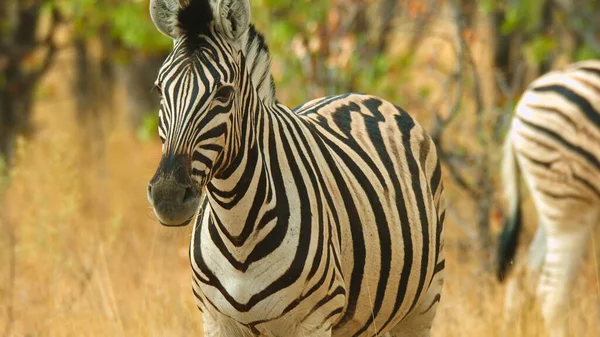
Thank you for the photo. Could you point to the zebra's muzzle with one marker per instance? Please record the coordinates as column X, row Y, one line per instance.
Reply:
column 172, row 194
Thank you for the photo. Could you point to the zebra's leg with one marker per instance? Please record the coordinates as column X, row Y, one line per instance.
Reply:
column 419, row 322
column 537, row 250
column 520, row 288
column 563, row 258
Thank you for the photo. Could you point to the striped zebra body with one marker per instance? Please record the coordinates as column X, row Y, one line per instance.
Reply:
column 336, row 226
column 322, row 221
column 554, row 143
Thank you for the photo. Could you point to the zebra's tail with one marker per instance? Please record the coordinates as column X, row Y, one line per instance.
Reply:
column 509, row 238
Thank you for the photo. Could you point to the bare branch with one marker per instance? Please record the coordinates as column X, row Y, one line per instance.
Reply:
column 477, row 93
column 455, row 79
column 468, row 54
column 387, row 9
column 420, row 24
column 51, row 47
column 458, row 88
column 457, row 176
column 510, row 92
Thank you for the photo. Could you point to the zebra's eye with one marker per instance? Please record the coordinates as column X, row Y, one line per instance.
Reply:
column 224, row 94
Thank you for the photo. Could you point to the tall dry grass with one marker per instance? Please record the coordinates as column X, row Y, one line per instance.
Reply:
column 90, row 260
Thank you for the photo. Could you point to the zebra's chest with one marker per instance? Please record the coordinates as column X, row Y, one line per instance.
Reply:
column 271, row 280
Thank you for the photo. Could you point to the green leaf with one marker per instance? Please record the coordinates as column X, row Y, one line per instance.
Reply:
column 487, row 6
column 522, row 15
column 136, row 30
column 511, row 20
column 282, row 31
column 540, row 49
column 586, row 52
column 148, row 129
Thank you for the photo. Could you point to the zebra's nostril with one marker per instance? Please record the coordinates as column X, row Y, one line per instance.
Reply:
column 150, row 199
column 189, row 195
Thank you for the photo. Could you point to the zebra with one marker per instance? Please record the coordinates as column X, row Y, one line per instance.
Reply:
column 554, row 143
column 325, row 220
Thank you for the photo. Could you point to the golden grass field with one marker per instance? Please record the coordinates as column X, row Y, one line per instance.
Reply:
column 90, row 259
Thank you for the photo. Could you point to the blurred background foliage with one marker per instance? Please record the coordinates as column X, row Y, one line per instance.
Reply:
column 326, row 47
column 459, row 66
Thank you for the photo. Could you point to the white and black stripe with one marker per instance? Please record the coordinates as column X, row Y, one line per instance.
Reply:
column 322, row 221
column 554, row 143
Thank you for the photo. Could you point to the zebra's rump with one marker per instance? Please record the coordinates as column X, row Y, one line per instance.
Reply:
column 556, row 132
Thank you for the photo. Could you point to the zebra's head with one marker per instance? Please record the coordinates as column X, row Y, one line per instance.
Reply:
column 199, row 85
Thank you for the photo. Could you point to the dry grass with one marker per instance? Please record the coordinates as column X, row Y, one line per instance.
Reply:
column 91, row 260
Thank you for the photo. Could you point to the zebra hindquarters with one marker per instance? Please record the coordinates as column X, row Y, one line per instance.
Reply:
column 556, row 262
column 420, row 321
column 561, row 187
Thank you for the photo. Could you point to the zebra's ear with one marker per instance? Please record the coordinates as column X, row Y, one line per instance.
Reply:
column 164, row 16
column 233, row 17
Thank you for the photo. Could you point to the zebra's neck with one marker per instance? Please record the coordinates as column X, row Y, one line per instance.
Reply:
column 258, row 64
column 242, row 198
column 242, row 195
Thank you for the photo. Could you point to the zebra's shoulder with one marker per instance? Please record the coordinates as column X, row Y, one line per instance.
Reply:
column 331, row 104
column 318, row 103
column 343, row 110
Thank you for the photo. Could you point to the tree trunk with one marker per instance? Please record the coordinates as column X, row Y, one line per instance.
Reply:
column 137, row 76
column 15, row 116
column 93, row 85
column 7, row 130
column 387, row 11
column 469, row 10
column 18, row 41
column 82, row 86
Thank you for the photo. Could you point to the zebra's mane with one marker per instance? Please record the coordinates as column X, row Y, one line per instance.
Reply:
column 195, row 19
column 258, row 63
